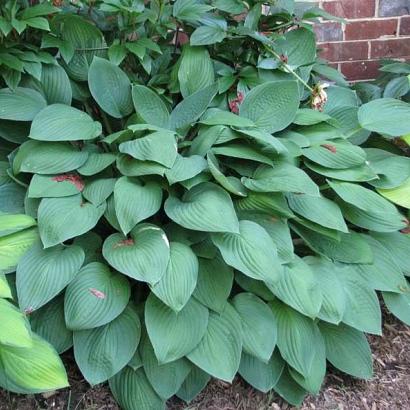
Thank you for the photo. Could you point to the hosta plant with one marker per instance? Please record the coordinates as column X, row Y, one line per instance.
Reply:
column 182, row 199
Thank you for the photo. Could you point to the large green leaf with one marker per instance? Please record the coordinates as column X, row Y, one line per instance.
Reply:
column 219, row 352
column 54, row 186
column 205, row 207
column 43, row 273
column 22, row 104
column 195, row 382
column 10, row 223
column 174, row 335
column 347, row 349
column 299, row 288
column 399, row 195
column 56, row 84
column 398, row 305
column 32, row 369
column 272, row 105
column 15, row 329
column 297, row 337
column 110, row 87
column 99, row 190
column 96, row 162
column 49, row 323
column 14, row 246
column 258, row 325
column 160, row 147
column 185, row 168
column 281, row 178
column 195, row 71
column 48, row 158
column 179, row 281
column 262, row 376
column 367, row 209
column 144, row 256
column 129, row 211
column 60, row 219
column 215, row 279
column 102, row 352
column 289, row 389
column 133, row 391
column 150, row 106
column 5, row 291
column 250, row 251
column 318, row 209
column 386, row 116
column 59, row 122
column 95, row 297
column 192, row 107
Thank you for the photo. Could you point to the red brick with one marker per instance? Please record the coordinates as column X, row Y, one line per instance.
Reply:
column 390, row 48
column 365, row 30
column 405, row 26
column 328, row 32
column 344, row 51
column 351, row 8
column 360, row 70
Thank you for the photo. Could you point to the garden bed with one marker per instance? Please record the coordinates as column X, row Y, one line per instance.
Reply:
column 389, row 389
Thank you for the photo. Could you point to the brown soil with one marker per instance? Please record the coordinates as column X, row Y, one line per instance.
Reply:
column 389, row 389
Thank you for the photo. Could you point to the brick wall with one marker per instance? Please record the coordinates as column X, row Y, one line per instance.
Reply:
column 376, row 29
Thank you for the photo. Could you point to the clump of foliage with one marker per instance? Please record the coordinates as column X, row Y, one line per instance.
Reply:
column 174, row 209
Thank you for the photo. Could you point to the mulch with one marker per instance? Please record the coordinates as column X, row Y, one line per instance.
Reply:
column 389, row 389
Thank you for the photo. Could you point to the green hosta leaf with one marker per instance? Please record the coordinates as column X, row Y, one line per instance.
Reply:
column 362, row 307
column 14, row 246
column 150, row 106
column 5, row 291
column 289, row 389
column 110, row 87
column 264, row 139
column 43, row 273
column 102, row 352
column 56, row 84
column 215, row 279
column 48, row 158
column 384, row 273
column 22, row 104
column 60, row 219
column 32, row 369
column 15, row 329
column 347, row 349
column 206, row 35
column 192, row 107
column 272, row 105
column 49, row 323
column 179, row 281
column 262, row 376
column 318, row 209
column 98, row 190
column 219, row 352
column 386, row 116
column 166, row 379
column 367, row 209
column 254, row 286
column 95, row 297
column 12, row 197
column 144, row 256
column 258, row 325
column 399, row 195
column 297, row 337
column 351, row 248
column 307, row 116
column 205, row 207
column 398, row 305
column 54, row 186
column 129, row 211
column 214, row 116
column 299, row 288
column 250, row 251
column 334, row 300
column 14, row 223
column 335, row 154
column 14, row 131
column 174, row 335
column 185, row 168
column 242, row 151
column 133, row 391
column 196, row 70
column 281, row 178
column 193, row 384
column 91, row 243
column 96, row 162
column 131, row 167
column 159, row 147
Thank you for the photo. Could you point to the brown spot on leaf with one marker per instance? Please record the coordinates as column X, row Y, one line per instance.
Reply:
column 28, row 310
column 97, row 293
column 76, row 180
column 125, row 242
column 330, row 148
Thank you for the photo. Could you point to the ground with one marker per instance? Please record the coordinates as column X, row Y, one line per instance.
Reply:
column 389, row 389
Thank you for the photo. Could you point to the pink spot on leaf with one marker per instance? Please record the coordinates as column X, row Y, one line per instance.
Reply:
column 97, row 293
column 125, row 242
column 330, row 148
column 72, row 178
